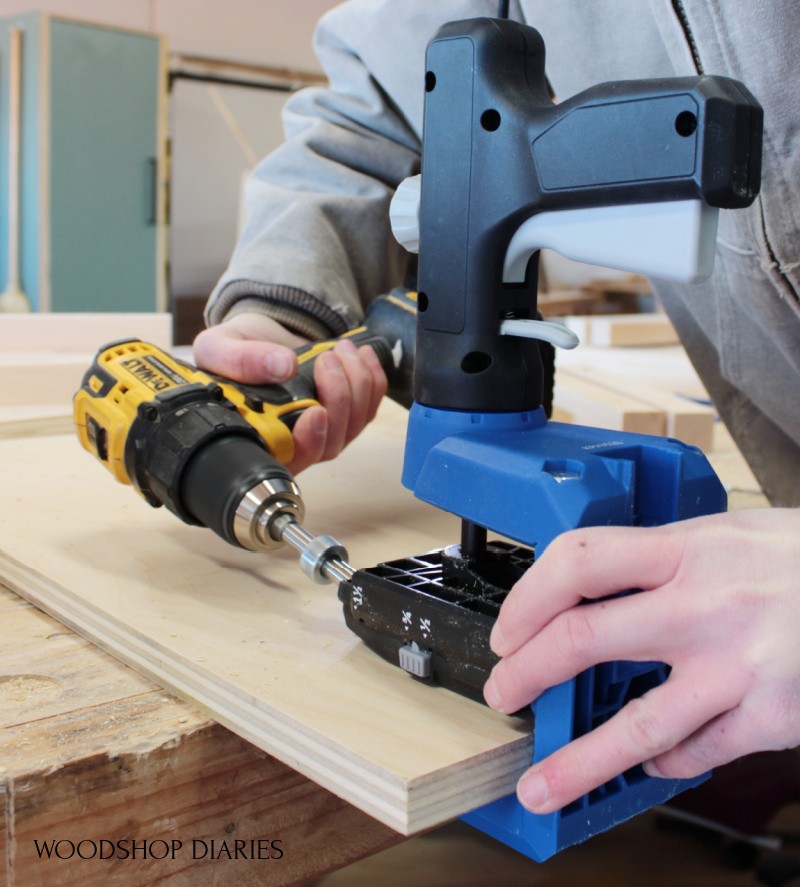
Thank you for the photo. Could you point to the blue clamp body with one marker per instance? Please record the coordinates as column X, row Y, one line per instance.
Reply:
column 524, row 477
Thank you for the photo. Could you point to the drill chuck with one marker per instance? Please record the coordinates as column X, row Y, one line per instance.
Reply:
column 251, row 500
column 257, row 512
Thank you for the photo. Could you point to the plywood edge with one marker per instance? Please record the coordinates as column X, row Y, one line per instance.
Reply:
column 403, row 805
column 33, row 420
column 466, row 788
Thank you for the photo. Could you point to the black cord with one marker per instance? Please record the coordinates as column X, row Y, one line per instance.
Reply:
column 502, row 9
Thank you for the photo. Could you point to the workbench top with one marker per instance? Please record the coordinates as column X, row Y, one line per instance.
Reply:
column 90, row 750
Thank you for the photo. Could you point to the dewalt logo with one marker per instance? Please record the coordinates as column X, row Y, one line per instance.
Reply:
column 152, row 373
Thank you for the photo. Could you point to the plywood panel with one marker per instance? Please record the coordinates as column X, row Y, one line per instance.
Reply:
column 664, row 366
column 248, row 638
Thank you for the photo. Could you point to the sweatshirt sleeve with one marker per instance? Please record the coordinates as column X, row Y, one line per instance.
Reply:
column 317, row 245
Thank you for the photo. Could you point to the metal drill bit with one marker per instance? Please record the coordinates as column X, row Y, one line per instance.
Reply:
column 322, row 558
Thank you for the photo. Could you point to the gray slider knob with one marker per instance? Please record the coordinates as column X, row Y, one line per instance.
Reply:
column 404, row 213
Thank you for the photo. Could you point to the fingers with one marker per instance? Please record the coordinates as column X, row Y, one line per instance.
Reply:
column 380, row 383
column 585, row 564
column 310, row 435
column 723, row 739
column 640, row 731
column 334, row 393
column 350, row 384
column 641, row 628
column 720, row 606
column 350, row 381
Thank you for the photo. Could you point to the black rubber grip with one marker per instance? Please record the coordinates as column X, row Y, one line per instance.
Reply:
column 218, row 476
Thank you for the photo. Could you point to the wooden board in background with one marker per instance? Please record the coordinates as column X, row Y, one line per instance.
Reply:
column 43, row 357
column 41, row 378
column 81, row 332
column 664, row 366
column 247, row 638
column 606, row 330
column 684, row 419
column 581, row 402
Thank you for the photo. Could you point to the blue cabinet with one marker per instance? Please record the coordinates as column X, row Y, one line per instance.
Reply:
column 92, row 165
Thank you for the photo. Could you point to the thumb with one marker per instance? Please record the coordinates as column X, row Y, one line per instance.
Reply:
column 254, row 361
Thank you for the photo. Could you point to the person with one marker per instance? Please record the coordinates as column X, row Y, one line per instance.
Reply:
column 720, row 603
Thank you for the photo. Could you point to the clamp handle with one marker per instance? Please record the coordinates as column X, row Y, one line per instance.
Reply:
column 506, row 172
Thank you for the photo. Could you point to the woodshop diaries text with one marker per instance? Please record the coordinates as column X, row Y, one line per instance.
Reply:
column 200, row 848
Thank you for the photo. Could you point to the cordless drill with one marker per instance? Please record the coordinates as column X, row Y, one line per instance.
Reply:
column 214, row 451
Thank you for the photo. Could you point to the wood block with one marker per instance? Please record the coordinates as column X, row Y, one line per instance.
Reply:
column 585, row 403
column 634, row 284
column 247, row 638
column 49, row 672
column 41, row 378
column 666, row 366
column 213, row 787
column 686, row 420
column 5, row 833
column 81, row 332
column 623, row 329
column 559, row 303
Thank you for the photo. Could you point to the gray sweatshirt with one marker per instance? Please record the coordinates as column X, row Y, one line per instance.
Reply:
column 317, row 245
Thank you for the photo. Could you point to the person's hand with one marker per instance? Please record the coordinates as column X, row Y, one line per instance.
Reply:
column 350, row 381
column 721, row 605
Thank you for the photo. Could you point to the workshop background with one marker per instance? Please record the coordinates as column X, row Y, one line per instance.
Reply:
column 132, row 162
column 216, row 76
column 203, row 133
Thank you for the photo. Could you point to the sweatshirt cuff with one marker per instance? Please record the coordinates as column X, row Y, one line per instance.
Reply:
column 293, row 308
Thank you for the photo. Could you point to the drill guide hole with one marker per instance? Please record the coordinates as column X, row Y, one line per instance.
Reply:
column 490, row 120
column 685, row 123
column 476, row 362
